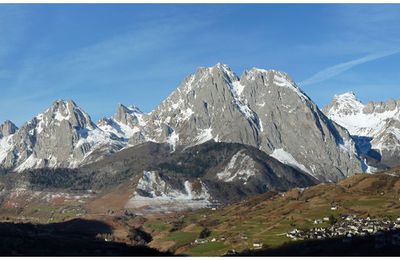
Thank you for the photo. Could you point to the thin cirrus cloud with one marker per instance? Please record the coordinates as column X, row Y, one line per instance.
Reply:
column 90, row 69
column 12, row 27
column 83, row 64
column 338, row 69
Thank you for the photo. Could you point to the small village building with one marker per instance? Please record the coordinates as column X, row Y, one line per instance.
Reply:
column 200, row 241
column 257, row 245
column 317, row 221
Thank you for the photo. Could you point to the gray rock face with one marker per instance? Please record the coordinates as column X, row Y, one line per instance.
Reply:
column 7, row 128
column 262, row 108
column 375, row 126
column 62, row 136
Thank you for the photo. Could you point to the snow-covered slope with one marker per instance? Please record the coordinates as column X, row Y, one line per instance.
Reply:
column 360, row 119
column 286, row 158
column 245, row 168
column 375, row 126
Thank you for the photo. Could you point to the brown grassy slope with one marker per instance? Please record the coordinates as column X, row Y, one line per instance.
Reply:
column 267, row 217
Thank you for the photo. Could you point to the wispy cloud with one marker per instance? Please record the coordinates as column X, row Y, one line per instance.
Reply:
column 71, row 69
column 335, row 70
column 118, row 61
column 12, row 27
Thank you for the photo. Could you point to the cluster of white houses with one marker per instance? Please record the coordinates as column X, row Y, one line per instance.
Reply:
column 349, row 227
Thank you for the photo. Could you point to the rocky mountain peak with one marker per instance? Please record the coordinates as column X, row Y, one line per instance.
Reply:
column 225, row 71
column 127, row 115
column 62, row 110
column 346, row 103
column 202, row 74
column 126, row 122
column 64, row 107
column 262, row 108
column 7, row 128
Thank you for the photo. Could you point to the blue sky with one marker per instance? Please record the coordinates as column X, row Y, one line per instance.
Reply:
column 101, row 55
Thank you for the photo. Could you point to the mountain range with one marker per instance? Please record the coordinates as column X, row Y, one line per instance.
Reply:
column 281, row 139
column 375, row 127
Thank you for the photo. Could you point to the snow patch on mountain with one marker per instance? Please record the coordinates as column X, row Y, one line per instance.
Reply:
column 286, row 158
column 204, row 136
column 348, row 145
column 6, row 146
column 31, row 163
column 95, row 139
column 185, row 115
column 240, row 167
column 119, row 129
column 173, row 139
column 238, row 88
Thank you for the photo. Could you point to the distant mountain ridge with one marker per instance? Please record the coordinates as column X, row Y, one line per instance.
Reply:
column 261, row 108
column 375, row 126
